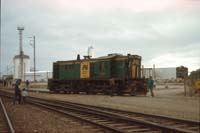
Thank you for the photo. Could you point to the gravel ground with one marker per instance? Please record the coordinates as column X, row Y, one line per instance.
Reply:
column 32, row 119
column 170, row 102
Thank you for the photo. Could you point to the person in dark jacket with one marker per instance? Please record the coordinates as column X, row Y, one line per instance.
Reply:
column 17, row 96
column 151, row 85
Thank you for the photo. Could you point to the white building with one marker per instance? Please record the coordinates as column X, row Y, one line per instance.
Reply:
column 39, row 76
column 91, row 52
column 27, row 74
column 17, row 66
column 165, row 73
column 160, row 73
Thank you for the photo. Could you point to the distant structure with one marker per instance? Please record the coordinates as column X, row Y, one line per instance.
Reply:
column 17, row 66
column 165, row 73
column 91, row 52
column 21, row 61
column 168, row 73
column 41, row 76
column 181, row 72
column 195, row 74
column 147, row 72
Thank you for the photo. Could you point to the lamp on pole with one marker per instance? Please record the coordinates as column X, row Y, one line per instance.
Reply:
column 34, row 61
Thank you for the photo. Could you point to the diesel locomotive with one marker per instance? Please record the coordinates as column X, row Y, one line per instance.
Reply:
column 112, row 74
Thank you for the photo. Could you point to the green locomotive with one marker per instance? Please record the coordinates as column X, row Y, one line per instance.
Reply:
column 111, row 74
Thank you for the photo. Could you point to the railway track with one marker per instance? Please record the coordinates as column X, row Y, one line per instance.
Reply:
column 5, row 122
column 119, row 121
column 141, row 122
column 179, row 124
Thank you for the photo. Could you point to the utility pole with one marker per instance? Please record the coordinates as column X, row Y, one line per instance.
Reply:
column 142, row 71
column 185, row 83
column 34, row 58
column 20, row 29
column 154, row 72
column 0, row 40
column 7, row 69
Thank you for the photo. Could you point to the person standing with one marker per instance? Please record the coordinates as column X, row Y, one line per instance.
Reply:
column 17, row 95
column 151, row 85
column 24, row 95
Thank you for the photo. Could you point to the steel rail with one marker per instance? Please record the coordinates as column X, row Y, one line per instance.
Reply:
column 7, row 117
column 137, row 114
column 8, row 95
column 119, row 118
column 154, row 119
column 106, row 117
column 128, row 112
column 75, row 116
column 153, row 124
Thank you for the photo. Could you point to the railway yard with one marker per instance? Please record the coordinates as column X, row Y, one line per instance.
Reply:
column 105, row 94
column 168, row 111
column 100, row 66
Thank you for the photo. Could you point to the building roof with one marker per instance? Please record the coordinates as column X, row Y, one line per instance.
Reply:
column 19, row 56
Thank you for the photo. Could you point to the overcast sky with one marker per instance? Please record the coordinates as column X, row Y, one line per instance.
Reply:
column 165, row 33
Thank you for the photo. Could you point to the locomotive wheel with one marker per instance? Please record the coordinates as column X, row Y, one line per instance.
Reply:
column 75, row 92
column 119, row 93
column 134, row 92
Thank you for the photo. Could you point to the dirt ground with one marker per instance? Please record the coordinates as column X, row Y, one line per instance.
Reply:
column 32, row 119
column 169, row 102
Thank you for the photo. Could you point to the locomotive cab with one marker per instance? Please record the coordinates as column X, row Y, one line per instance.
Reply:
column 135, row 67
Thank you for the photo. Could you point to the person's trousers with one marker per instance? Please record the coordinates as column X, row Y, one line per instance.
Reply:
column 24, row 100
column 151, row 90
column 17, row 97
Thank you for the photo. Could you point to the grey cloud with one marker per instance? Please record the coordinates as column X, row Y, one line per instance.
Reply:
column 61, row 35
